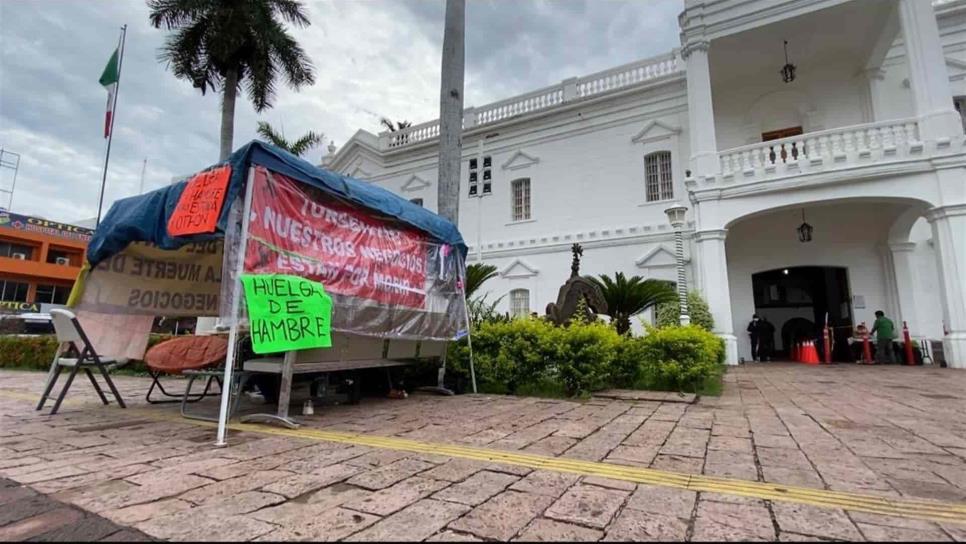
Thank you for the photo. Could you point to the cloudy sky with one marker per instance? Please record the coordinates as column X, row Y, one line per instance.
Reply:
column 372, row 59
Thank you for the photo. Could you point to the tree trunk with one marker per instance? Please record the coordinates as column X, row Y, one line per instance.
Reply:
column 622, row 323
column 228, row 114
column 451, row 111
column 206, row 325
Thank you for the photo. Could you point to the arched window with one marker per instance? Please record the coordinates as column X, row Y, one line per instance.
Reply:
column 657, row 176
column 519, row 303
column 521, row 199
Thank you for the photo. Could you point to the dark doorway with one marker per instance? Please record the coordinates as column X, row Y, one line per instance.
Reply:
column 796, row 301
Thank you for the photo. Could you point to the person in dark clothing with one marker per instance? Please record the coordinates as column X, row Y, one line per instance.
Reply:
column 755, row 330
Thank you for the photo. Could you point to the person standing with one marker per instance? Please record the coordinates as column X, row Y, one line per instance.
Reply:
column 755, row 332
column 885, row 331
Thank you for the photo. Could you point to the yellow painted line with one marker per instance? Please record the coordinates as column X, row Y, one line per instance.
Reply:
column 905, row 508
column 916, row 509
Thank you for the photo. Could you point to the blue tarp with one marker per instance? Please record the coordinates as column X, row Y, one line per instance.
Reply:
column 144, row 218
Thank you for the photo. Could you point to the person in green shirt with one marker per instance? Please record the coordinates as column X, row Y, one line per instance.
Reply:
column 885, row 331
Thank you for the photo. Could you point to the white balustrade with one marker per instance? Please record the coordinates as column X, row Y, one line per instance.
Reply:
column 828, row 146
column 595, row 84
column 627, row 75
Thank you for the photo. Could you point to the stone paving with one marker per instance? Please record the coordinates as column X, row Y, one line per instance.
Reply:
column 887, row 431
column 28, row 515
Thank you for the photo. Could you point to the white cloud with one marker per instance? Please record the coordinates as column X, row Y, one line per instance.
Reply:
column 371, row 58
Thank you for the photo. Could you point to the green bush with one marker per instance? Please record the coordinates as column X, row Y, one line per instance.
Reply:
column 668, row 313
column 586, row 355
column 508, row 354
column 676, row 357
column 27, row 352
column 534, row 357
column 36, row 352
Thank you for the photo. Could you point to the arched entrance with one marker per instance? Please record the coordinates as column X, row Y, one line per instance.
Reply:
column 796, row 302
column 850, row 268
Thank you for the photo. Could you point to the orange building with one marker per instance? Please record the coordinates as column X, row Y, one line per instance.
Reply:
column 39, row 261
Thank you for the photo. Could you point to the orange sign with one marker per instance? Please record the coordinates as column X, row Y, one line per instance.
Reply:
column 200, row 203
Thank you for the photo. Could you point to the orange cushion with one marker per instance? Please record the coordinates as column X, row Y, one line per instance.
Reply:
column 186, row 353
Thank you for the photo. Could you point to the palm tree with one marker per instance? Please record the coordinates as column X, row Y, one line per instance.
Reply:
column 297, row 148
column 476, row 275
column 629, row 297
column 224, row 44
column 399, row 125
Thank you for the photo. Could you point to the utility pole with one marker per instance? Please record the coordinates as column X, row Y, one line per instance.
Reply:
column 451, row 111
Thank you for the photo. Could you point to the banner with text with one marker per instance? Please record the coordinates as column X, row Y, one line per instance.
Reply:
column 350, row 252
column 287, row 313
column 144, row 279
column 200, row 204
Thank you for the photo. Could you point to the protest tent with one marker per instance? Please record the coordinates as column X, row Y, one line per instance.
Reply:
column 391, row 269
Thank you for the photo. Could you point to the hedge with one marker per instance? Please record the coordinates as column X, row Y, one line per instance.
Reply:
column 668, row 314
column 533, row 356
column 36, row 352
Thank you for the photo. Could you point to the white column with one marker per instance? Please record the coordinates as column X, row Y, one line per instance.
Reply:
column 713, row 266
column 949, row 235
column 906, row 283
column 927, row 71
column 704, row 148
column 869, row 81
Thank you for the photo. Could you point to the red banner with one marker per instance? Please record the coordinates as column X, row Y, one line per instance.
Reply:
column 349, row 252
column 200, row 203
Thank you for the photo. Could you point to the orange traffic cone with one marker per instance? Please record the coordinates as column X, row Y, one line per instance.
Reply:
column 811, row 354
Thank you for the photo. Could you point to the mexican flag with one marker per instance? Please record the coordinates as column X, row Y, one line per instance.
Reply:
column 109, row 80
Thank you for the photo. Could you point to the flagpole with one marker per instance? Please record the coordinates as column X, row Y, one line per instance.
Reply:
column 110, row 135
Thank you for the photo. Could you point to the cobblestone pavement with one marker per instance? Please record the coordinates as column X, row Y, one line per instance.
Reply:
column 894, row 432
column 28, row 515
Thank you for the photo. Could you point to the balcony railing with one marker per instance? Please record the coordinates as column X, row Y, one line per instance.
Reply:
column 568, row 90
column 840, row 145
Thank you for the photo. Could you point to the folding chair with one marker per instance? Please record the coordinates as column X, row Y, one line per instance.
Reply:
column 80, row 354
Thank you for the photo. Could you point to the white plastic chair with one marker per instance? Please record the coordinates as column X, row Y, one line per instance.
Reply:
column 75, row 352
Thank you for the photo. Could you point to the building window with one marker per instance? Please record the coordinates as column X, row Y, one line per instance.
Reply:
column 657, row 176
column 474, row 176
column 416, row 201
column 519, row 303
column 52, row 294
column 960, row 103
column 13, row 291
column 16, row 251
column 521, row 199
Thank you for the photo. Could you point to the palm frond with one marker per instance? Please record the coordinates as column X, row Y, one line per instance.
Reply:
column 306, row 142
column 627, row 297
column 292, row 11
column 476, row 276
column 212, row 38
column 273, row 137
column 393, row 127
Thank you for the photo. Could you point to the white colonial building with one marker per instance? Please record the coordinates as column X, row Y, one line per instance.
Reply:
column 865, row 144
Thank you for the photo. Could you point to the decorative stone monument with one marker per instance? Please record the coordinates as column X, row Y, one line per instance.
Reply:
column 576, row 288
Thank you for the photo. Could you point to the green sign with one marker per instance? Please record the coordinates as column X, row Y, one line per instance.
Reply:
column 287, row 313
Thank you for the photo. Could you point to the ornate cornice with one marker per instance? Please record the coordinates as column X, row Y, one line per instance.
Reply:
column 945, row 212
column 697, row 45
column 711, row 234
